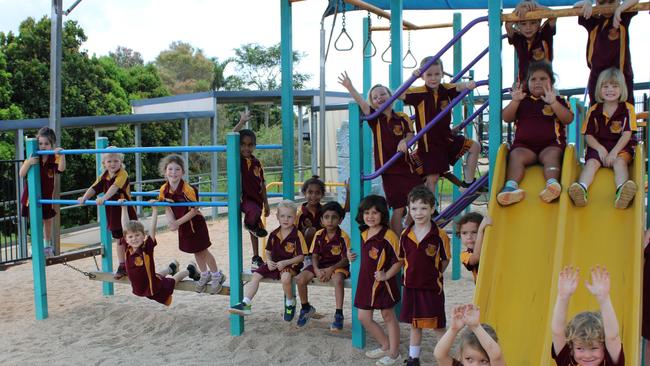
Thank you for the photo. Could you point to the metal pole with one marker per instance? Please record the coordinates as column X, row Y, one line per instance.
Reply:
column 22, row 226
column 321, row 104
column 185, row 141
column 286, row 46
column 313, row 139
column 458, row 167
column 300, row 144
column 396, row 48
column 494, row 23
column 469, row 132
column 234, row 230
column 214, row 163
column 56, row 57
column 138, row 164
column 104, row 234
column 367, row 84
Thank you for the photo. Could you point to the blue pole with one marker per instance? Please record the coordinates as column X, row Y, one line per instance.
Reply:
column 104, row 234
column 367, row 84
column 287, row 100
column 494, row 23
column 396, row 48
column 573, row 131
column 469, row 132
column 36, row 229
column 234, row 230
column 458, row 167
column 356, row 193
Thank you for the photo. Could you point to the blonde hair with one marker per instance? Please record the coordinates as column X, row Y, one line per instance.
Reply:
column 612, row 76
column 377, row 86
column 287, row 204
column 587, row 328
column 115, row 154
column 134, row 226
column 469, row 339
column 173, row 158
column 429, row 58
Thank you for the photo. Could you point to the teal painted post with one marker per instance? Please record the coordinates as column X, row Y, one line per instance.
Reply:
column 469, row 131
column 458, row 167
column 647, row 147
column 36, row 229
column 495, row 72
column 104, row 235
column 396, row 48
column 573, row 133
column 234, row 230
column 286, row 46
column 367, row 84
column 356, row 193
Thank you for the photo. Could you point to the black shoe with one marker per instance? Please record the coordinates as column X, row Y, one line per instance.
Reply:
column 260, row 232
column 412, row 361
column 481, row 189
column 256, row 262
column 193, row 272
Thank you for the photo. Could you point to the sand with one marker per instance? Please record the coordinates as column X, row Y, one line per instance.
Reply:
column 86, row 328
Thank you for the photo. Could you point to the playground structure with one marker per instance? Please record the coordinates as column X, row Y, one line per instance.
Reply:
column 505, row 259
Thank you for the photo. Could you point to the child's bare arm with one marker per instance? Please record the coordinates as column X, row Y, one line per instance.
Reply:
column 620, row 9
column 188, row 216
column 478, row 244
column 24, row 169
column 599, row 287
column 509, row 113
column 243, row 118
column 265, row 199
column 566, row 286
column 443, row 265
column 61, row 166
column 622, row 141
column 124, row 218
column 154, row 221
column 344, row 80
column 110, row 193
column 465, row 85
column 441, row 352
column 90, row 192
column 510, row 29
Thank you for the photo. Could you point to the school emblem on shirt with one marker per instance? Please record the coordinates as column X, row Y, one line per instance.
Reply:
column 373, row 253
column 138, row 261
column 613, row 34
column 615, row 126
column 289, row 247
column 538, row 54
column 256, row 171
column 431, row 250
column 547, row 111
column 398, row 130
column 335, row 250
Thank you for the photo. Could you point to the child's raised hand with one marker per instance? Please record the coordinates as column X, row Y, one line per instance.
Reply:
column 344, row 80
column 524, row 7
column 57, row 151
column 549, row 95
column 352, row 255
column 457, row 322
column 471, row 316
column 244, row 116
column 616, row 22
column 121, row 200
column 380, row 275
column 599, row 286
column 587, row 9
column 487, row 221
column 568, row 282
column 517, row 93
column 81, row 200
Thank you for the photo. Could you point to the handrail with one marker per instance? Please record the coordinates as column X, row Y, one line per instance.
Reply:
column 201, row 194
column 411, row 79
column 462, row 202
column 569, row 12
column 419, row 27
column 132, row 203
column 419, row 135
column 151, row 149
column 473, row 62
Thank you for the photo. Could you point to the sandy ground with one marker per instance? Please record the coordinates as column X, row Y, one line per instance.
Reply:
column 86, row 328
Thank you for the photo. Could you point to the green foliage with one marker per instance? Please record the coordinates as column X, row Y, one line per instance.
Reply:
column 184, row 69
column 259, row 67
column 126, row 58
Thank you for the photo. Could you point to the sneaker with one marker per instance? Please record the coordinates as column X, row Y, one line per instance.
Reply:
column 257, row 231
column 48, row 251
column 337, row 324
column 173, row 267
column 464, row 185
column 412, row 361
column 306, row 262
column 376, row 353
column 121, row 271
column 625, row 194
column 289, row 312
column 578, row 194
column 242, row 309
column 193, row 272
column 256, row 262
column 551, row 192
column 202, row 283
column 305, row 315
column 218, row 279
column 387, row 360
column 509, row 195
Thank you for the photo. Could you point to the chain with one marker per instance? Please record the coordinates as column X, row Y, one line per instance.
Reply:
column 343, row 15
column 87, row 274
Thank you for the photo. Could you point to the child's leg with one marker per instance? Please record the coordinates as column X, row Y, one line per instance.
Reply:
column 431, row 181
column 469, row 169
column 339, row 291
column 285, row 278
column 415, row 342
column 302, row 280
column 518, row 160
column 393, row 331
column 208, row 259
column 121, row 252
column 47, row 231
column 551, row 159
column 589, row 172
column 200, row 258
column 621, row 174
column 396, row 219
column 365, row 317
column 251, row 288
column 255, row 245
column 181, row 275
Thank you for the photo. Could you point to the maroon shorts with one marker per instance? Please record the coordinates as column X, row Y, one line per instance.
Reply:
column 386, row 296
column 398, row 186
column 193, row 236
column 435, row 160
column 627, row 154
column 345, row 270
column 164, row 294
column 537, row 149
column 48, row 211
column 423, row 308
column 458, row 147
column 252, row 213
column 645, row 328
column 275, row 274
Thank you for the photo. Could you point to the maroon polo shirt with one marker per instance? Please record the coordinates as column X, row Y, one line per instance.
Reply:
column 48, row 169
column 536, row 123
column 608, row 46
column 428, row 103
column 114, row 213
column 286, row 248
column 608, row 130
column 423, row 259
column 252, row 180
column 537, row 49
column 378, row 253
column 305, row 219
column 387, row 133
column 141, row 269
column 330, row 251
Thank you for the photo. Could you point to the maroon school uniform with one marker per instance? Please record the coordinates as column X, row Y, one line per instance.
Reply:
column 538, row 49
column 114, row 213
column 423, row 302
column 537, row 126
column 141, row 270
column 193, row 235
column 252, row 184
column 608, row 47
column 305, row 219
column 377, row 253
column 564, row 358
column 464, row 259
column 282, row 249
column 330, row 251
column 400, row 178
column 49, row 167
column 645, row 325
column 608, row 130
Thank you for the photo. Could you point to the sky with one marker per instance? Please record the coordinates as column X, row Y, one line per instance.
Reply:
column 219, row 26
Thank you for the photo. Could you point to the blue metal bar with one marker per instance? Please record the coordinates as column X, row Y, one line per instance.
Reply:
column 201, row 194
column 104, row 234
column 469, row 132
column 495, row 72
column 286, row 46
column 135, row 203
column 458, row 167
column 234, row 230
column 573, row 132
column 152, row 149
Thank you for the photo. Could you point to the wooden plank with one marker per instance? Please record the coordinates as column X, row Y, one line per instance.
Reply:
column 247, row 276
column 185, row 285
column 73, row 255
column 569, row 12
column 419, row 27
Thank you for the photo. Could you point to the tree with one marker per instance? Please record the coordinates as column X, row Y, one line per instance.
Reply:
column 219, row 80
column 184, row 69
column 259, row 67
column 126, row 58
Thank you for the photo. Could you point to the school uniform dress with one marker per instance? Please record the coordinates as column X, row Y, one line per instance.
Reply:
column 400, row 178
column 141, row 270
column 305, row 219
column 423, row 298
column 114, row 213
column 537, row 126
column 49, row 167
column 378, row 252
column 282, row 249
column 608, row 47
column 564, row 358
column 540, row 48
column 193, row 236
column 645, row 326
column 464, row 259
column 252, row 184
column 608, row 130
column 439, row 148
column 330, row 251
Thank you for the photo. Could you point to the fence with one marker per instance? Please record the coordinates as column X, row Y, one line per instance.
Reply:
column 13, row 235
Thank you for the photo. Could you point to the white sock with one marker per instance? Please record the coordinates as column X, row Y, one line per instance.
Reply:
column 246, row 301
column 414, row 351
column 290, row 302
column 551, row 181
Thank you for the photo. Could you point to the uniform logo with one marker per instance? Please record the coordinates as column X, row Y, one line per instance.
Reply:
column 256, row 171
column 335, row 250
column 615, row 126
column 538, row 54
column 444, row 104
column 373, row 253
column 613, row 34
column 431, row 250
column 138, row 261
column 547, row 111
column 289, row 247
column 398, row 130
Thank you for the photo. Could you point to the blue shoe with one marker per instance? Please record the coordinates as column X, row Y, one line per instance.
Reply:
column 305, row 315
column 289, row 312
column 337, row 324
column 510, row 195
column 240, row 309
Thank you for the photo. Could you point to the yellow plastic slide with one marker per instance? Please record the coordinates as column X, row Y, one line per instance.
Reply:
column 531, row 241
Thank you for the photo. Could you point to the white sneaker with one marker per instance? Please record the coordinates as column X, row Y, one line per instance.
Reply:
column 376, row 353
column 218, row 278
column 387, row 360
column 202, row 283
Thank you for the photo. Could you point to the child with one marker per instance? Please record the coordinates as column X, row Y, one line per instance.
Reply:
column 140, row 265
column 608, row 131
column 285, row 251
column 114, row 183
column 377, row 287
column 50, row 165
column 532, row 40
column 424, row 249
column 308, row 218
column 590, row 338
column 470, row 228
column 541, row 118
column 329, row 262
column 608, row 43
column 439, row 148
column 192, row 230
column 478, row 342
column 253, row 188
column 391, row 131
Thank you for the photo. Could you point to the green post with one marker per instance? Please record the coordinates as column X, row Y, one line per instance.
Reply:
column 287, row 101
column 573, row 132
column 495, row 72
column 104, row 234
column 458, row 167
column 367, row 84
column 356, row 193
column 234, row 230
column 36, row 229
column 396, row 48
